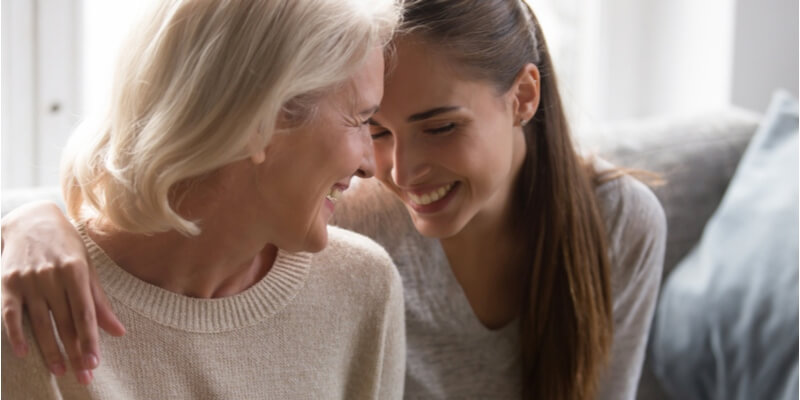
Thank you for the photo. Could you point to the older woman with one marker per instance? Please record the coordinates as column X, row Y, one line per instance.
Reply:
column 203, row 200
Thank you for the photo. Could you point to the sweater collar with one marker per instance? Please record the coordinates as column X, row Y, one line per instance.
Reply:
column 257, row 303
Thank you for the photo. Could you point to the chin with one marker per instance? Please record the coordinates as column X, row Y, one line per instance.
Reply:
column 436, row 230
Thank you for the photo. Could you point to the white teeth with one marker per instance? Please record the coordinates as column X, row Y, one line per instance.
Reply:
column 334, row 194
column 432, row 196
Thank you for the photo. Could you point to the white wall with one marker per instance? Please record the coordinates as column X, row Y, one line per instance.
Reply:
column 18, row 30
column 766, row 51
column 625, row 59
column 40, row 87
column 105, row 25
column 57, row 65
column 655, row 57
column 688, row 56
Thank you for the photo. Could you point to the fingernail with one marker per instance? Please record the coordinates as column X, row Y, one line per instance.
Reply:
column 90, row 361
column 21, row 350
column 84, row 377
column 58, row 368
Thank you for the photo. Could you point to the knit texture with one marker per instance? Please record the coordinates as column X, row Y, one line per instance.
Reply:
column 318, row 326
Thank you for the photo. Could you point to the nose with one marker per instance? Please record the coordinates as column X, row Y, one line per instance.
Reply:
column 409, row 166
column 366, row 168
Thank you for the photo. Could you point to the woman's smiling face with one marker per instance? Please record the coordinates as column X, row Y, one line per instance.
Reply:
column 295, row 185
column 447, row 145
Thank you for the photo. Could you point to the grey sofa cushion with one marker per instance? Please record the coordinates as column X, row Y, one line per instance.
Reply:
column 695, row 155
column 727, row 321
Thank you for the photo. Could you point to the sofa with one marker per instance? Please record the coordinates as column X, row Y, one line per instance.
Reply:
column 695, row 156
column 726, row 322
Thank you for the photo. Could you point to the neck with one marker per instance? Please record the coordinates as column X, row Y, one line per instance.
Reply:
column 485, row 256
column 231, row 253
column 486, row 247
column 214, row 264
column 486, row 265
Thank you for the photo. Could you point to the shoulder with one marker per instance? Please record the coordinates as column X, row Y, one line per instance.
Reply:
column 26, row 377
column 630, row 210
column 357, row 262
column 353, row 246
column 636, row 229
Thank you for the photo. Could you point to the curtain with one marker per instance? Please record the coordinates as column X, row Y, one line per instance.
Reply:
column 624, row 59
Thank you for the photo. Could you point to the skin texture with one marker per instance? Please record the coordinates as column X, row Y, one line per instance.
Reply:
column 476, row 147
column 301, row 167
column 279, row 194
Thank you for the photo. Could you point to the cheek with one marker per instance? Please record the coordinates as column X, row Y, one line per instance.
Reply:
column 337, row 155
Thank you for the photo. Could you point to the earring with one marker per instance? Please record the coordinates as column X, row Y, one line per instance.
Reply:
column 523, row 122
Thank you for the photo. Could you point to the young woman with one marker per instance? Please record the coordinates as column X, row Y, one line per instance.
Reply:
column 529, row 271
column 186, row 199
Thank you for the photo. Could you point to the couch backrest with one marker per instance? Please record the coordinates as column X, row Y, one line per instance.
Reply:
column 696, row 156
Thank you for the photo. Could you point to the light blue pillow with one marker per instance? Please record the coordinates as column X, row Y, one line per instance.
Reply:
column 726, row 325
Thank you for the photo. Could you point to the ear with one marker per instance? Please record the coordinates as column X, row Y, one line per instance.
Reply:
column 526, row 94
column 255, row 149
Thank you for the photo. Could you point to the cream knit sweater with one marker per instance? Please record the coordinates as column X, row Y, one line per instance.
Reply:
column 318, row 326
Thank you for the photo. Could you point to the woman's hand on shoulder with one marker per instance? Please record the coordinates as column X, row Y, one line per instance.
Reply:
column 45, row 269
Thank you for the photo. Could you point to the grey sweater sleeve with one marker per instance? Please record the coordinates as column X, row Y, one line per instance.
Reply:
column 637, row 231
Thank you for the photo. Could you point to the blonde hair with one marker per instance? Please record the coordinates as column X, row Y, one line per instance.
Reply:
column 200, row 82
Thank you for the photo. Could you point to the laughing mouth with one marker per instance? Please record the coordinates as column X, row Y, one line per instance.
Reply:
column 432, row 196
column 334, row 194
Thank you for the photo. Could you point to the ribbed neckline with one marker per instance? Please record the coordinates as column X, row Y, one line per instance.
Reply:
column 260, row 301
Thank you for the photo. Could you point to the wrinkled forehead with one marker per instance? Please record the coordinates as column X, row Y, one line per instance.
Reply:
column 363, row 89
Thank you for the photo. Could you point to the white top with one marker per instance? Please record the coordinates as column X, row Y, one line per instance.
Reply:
column 452, row 355
column 318, row 326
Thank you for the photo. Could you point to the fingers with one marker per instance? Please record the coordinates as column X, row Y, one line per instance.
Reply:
column 59, row 304
column 79, row 295
column 66, row 329
column 43, row 333
column 12, row 320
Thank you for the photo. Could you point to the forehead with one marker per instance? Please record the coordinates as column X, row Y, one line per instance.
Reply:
column 424, row 77
column 365, row 86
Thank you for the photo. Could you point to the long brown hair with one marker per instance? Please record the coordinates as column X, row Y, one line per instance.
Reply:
column 566, row 314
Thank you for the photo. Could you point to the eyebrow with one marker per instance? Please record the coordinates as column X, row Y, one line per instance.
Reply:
column 431, row 113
